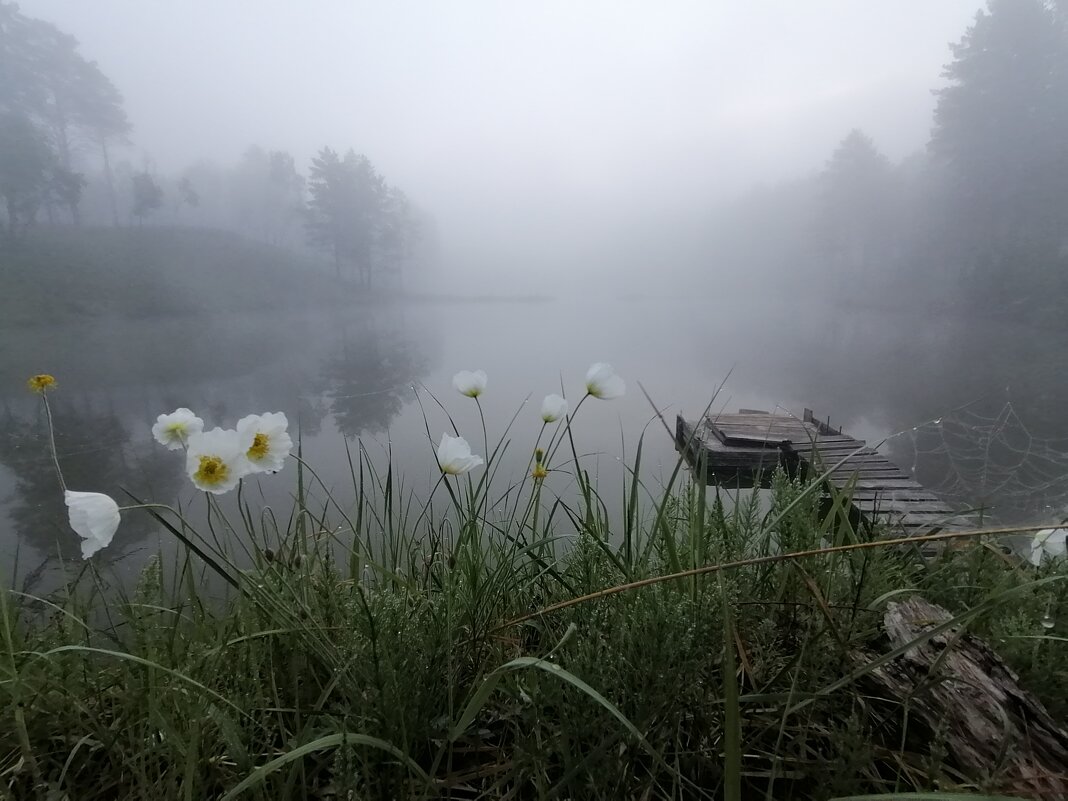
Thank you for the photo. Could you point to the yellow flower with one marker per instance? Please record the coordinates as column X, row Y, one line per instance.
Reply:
column 539, row 471
column 41, row 383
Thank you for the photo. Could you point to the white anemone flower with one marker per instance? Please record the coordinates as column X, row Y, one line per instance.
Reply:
column 1049, row 543
column 553, row 408
column 94, row 516
column 265, row 440
column 602, row 382
column 215, row 460
column 471, row 384
column 455, row 457
column 175, row 429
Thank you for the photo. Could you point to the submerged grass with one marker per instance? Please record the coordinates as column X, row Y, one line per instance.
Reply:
column 377, row 646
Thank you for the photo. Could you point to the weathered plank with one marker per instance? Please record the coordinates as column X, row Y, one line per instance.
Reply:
column 836, row 449
column 906, row 494
column 931, row 510
column 870, row 470
column 722, row 463
column 877, row 484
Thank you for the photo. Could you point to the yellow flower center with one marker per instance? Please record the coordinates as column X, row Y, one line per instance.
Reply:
column 540, row 471
column 176, row 430
column 261, row 443
column 212, row 471
column 39, row 383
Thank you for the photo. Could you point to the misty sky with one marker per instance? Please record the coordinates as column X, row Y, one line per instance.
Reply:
column 508, row 110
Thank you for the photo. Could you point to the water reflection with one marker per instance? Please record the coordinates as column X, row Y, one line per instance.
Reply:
column 115, row 378
column 875, row 372
column 369, row 377
column 97, row 453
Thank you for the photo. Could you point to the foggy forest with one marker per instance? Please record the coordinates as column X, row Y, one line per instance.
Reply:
column 557, row 400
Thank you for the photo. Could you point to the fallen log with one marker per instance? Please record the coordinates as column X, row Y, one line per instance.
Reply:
column 954, row 684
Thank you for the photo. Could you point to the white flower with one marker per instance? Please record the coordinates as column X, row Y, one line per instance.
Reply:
column 553, row 408
column 94, row 516
column 1049, row 542
column 175, row 429
column 265, row 440
column 454, row 456
column 602, row 382
column 470, row 384
column 216, row 460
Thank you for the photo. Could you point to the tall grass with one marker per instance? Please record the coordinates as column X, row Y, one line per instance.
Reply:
column 384, row 646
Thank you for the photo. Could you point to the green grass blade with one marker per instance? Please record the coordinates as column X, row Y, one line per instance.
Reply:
column 732, row 718
column 259, row 775
column 149, row 664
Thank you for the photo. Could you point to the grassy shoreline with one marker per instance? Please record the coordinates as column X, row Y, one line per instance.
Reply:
column 392, row 673
column 501, row 642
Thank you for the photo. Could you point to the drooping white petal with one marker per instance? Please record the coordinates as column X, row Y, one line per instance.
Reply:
column 455, row 457
column 471, row 384
column 602, row 382
column 175, row 429
column 553, row 408
column 215, row 460
column 1049, row 543
column 95, row 518
column 266, row 440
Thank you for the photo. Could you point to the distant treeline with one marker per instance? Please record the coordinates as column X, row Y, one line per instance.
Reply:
column 978, row 219
column 61, row 119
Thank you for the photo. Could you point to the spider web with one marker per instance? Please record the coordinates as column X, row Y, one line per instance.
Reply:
column 986, row 456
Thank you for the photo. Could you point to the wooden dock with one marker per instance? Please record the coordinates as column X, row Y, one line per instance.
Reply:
column 744, row 450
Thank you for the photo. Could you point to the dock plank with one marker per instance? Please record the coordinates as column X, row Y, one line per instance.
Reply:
column 748, row 447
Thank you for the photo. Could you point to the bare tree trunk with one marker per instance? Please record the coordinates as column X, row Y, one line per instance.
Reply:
column 110, row 183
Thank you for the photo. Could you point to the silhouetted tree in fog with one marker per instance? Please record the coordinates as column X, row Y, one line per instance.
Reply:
column 147, row 195
column 268, row 195
column 186, row 193
column 47, row 80
column 345, row 209
column 856, row 207
column 25, row 164
column 399, row 233
column 1000, row 141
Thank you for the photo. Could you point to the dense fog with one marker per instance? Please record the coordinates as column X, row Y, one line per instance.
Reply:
column 855, row 207
column 558, row 140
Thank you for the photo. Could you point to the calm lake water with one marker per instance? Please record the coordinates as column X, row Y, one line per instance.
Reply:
column 987, row 402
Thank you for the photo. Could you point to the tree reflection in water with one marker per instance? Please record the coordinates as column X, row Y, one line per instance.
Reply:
column 369, row 377
column 97, row 453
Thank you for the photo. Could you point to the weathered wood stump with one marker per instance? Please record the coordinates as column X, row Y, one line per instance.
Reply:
column 956, row 685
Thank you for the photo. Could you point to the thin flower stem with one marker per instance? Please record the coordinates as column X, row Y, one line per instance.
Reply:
column 452, row 494
column 52, row 442
column 148, row 506
column 485, row 436
column 526, row 475
column 536, row 502
column 429, row 500
column 554, row 443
